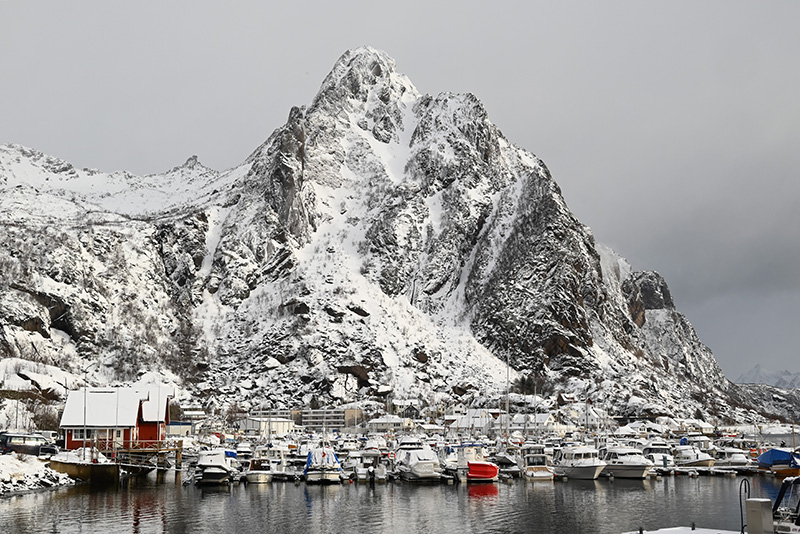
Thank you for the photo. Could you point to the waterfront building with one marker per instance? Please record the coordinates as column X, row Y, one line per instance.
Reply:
column 112, row 418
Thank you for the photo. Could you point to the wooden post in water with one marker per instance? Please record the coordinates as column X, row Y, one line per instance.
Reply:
column 179, row 461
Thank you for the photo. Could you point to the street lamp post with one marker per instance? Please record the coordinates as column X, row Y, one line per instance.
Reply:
column 85, row 388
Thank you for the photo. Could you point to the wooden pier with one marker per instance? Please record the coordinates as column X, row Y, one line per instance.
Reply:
column 143, row 457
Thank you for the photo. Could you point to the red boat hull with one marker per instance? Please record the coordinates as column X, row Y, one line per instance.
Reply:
column 482, row 472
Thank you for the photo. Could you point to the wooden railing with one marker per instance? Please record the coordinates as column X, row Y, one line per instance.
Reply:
column 110, row 445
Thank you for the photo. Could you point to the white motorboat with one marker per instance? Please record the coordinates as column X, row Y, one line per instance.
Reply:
column 580, row 462
column 365, row 466
column 244, row 451
column 660, row 453
column 536, row 463
column 625, row 462
column 215, row 466
column 277, row 454
column 414, row 461
column 701, row 442
column 322, row 466
column 731, row 457
column 258, row 469
column 691, row 456
column 419, row 465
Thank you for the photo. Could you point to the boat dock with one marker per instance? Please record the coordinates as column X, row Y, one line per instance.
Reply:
column 147, row 457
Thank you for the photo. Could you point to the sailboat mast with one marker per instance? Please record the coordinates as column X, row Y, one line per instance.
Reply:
column 508, row 393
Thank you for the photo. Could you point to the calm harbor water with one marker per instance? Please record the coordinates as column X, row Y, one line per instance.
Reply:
column 160, row 504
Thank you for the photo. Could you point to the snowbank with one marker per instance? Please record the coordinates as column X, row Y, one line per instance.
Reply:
column 23, row 472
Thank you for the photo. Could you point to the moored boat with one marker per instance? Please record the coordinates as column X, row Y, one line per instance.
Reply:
column 691, row 456
column 418, row 465
column 580, row 462
column 781, row 461
column 258, row 471
column 414, row 461
column 536, row 463
column 215, row 466
column 731, row 457
column 322, row 466
column 365, row 466
column 472, row 466
column 85, row 464
column 625, row 462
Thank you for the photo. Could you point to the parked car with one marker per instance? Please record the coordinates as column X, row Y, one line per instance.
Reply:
column 22, row 443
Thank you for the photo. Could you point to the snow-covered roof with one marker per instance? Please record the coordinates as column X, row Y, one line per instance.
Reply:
column 387, row 419
column 155, row 408
column 105, row 407
column 540, row 418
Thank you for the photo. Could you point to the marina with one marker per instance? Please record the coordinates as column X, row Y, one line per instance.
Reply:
column 162, row 502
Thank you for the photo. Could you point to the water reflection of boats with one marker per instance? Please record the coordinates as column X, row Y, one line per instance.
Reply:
column 763, row 516
column 483, row 490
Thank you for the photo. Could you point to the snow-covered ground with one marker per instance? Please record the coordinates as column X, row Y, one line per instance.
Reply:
column 23, row 472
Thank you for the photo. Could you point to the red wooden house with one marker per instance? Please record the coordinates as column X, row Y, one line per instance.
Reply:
column 115, row 418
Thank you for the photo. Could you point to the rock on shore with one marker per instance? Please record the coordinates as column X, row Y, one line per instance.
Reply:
column 23, row 472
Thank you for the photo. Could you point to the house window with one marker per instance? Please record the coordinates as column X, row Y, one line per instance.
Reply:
column 119, row 433
column 77, row 433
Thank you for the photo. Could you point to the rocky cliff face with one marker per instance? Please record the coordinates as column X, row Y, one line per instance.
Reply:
column 380, row 242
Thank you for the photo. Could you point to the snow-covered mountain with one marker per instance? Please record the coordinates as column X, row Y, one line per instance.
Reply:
column 381, row 242
column 759, row 375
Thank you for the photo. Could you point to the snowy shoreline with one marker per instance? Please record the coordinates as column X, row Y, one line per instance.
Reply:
column 23, row 472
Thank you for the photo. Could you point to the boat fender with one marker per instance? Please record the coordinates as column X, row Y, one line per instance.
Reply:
column 391, row 456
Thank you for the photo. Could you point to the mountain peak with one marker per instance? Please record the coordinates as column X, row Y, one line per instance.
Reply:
column 363, row 78
column 365, row 62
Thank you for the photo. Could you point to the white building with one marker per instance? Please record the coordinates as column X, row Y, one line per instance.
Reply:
column 264, row 426
column 389, row 423
column 474, row 421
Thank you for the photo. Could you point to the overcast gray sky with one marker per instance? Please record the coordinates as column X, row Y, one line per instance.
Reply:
column 672, row 127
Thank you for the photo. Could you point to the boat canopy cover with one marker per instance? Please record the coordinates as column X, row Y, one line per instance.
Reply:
column 422, row 455
column 776, row 456
column 322, row 457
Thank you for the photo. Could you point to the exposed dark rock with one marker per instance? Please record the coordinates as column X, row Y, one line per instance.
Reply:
column 296, row 307
column 358, row 371
column 358, row 310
